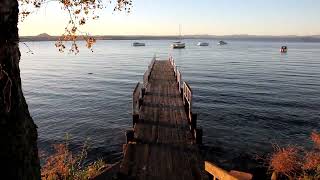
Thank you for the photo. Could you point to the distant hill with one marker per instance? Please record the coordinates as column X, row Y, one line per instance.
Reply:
column 289, row 38
column 40, row 37
column 44, row 35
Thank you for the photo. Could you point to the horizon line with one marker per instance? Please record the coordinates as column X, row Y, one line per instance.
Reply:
column 289, row 35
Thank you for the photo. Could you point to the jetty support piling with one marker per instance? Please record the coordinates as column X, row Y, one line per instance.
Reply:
column 129, row 136
column 198, row 133
column 193, row 124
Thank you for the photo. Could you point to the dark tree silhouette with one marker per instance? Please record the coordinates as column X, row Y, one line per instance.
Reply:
column 18, row 132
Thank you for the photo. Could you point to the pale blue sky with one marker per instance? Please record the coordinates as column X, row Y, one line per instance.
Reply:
column 215, row 17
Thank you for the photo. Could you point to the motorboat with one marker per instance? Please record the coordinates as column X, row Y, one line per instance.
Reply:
column 284, row 49
column 203, row 44
column 222, row 43
column 178, row 45
column 138, row 44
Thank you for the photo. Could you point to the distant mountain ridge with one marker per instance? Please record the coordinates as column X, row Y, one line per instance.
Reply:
column 288, row 38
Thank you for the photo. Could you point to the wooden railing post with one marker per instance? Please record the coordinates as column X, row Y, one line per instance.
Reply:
column 135, row 119
column 198, row 135
column 129, row 135
column 194, row 121
column 143, row 91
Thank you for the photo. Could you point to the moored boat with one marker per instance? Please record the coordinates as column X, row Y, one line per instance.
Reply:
column 222, row 43
column 284, row 49
column 178, row 45
column 203, row 44
column 138, row 44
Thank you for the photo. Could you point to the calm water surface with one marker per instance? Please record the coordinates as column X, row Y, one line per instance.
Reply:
column 247, row 95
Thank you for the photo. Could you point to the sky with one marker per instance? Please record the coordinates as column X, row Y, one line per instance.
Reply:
column 197, row 17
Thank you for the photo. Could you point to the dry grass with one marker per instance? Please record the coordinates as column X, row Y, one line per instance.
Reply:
column 63, row 165
column 297, row 163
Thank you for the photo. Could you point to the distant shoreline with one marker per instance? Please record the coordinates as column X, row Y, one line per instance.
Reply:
column 316, row 38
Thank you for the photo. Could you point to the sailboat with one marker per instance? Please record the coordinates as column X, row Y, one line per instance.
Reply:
column 178, row 44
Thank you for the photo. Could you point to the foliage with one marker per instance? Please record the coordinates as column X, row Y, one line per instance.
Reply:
column 297, row 163
column 64, row 165
column 79, row 11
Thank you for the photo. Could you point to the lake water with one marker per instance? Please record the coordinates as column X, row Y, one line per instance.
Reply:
column 247, row 94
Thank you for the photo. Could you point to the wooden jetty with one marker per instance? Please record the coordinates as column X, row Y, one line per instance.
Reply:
column 163, row 143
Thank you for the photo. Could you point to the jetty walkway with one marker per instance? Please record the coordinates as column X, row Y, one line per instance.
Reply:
column 163, row 141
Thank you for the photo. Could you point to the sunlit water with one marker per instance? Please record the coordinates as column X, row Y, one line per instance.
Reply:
column 247, row 94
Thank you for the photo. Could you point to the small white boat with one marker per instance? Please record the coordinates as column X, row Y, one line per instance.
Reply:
column 222, row 43
column 178, row 45
column 203, row 44
column 284, row 49
column 138, row 44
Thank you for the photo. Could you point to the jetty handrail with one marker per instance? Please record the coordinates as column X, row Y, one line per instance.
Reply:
column 136, row 96
column 179, row 77
column 147, row 74
column 217, row 172
column 187, row 102
column 152, row 63
column 171, row 60
column 187, row 98
column 173, row 64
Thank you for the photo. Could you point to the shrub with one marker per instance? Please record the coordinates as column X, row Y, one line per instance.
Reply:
column 63, row 165
column 297, row 163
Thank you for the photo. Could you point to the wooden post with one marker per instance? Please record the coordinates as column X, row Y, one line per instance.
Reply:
column 186, row 107
column 194, row 121
column 142, row 93
column 135, row 119
column 140, row 102
column 124, row 148
column 198, row 135
column 129, row 135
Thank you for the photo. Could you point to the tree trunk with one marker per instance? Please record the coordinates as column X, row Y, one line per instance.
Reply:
column 18, row 133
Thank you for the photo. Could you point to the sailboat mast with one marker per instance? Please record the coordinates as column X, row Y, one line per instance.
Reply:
column 180, row 32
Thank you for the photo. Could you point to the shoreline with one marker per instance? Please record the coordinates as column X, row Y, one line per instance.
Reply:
column 312, row 39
